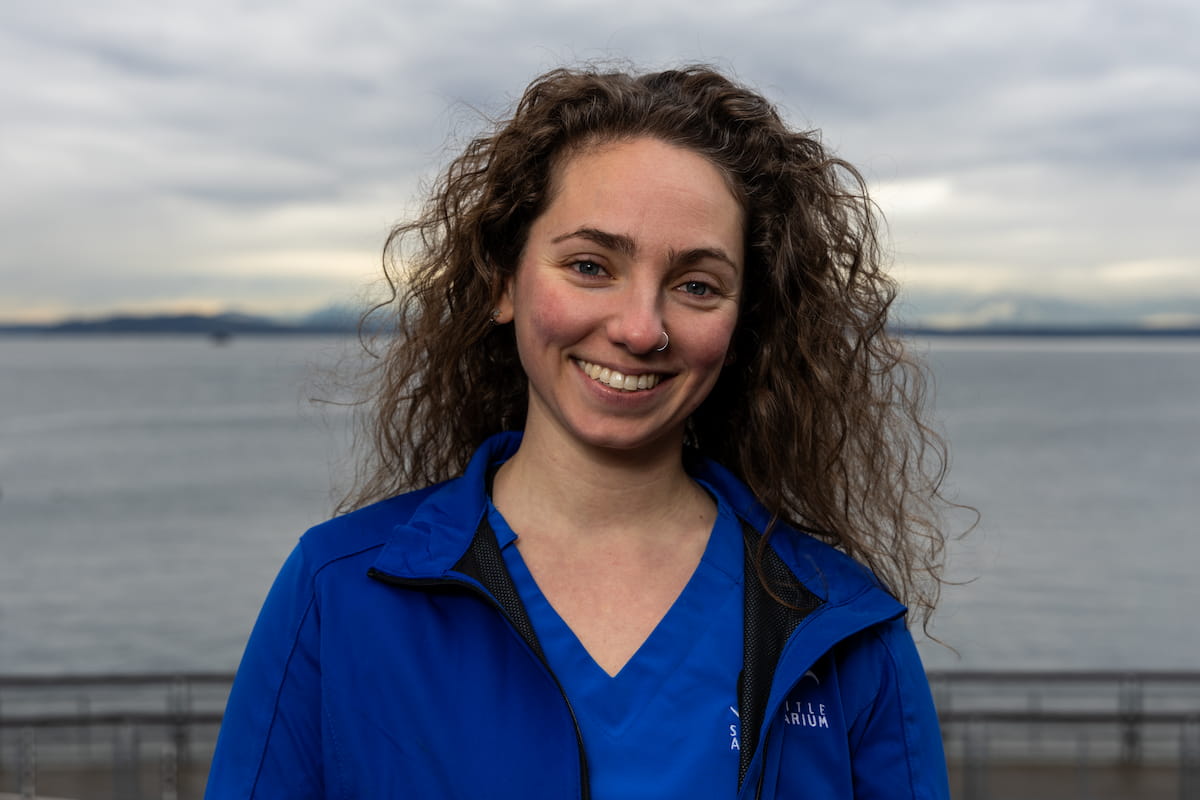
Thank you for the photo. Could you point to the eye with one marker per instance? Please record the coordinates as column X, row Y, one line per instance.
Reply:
column 697, row 288
column 589, row 268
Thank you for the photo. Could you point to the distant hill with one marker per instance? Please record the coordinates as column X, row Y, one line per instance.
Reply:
column 216, row 325
column 1006, row 313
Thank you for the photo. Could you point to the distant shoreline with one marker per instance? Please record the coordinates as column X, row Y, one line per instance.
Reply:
column 1051, row 331
column 224, row 326
column 219, row 326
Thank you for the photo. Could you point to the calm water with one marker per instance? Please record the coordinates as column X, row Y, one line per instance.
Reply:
column 149, row 489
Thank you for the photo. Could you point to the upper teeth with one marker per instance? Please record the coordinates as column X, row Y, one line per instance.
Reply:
column 617, row 380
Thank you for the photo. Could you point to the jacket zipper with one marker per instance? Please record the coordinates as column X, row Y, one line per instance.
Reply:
column 762, row 746
column 766, row 734
column 584, row 790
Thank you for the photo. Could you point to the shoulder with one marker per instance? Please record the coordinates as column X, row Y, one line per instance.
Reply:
column 827, row 572
column 419, row 533
column 881, row 662
column 364, row 529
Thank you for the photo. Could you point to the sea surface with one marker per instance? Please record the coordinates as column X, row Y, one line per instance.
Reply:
column 151, row 487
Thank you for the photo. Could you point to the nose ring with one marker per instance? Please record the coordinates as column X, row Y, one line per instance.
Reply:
column 666, row 341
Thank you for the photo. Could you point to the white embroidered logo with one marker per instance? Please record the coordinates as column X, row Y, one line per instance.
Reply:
column 806, row 714
column 733, row 730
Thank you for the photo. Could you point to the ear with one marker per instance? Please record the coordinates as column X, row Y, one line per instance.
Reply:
column 502, row 311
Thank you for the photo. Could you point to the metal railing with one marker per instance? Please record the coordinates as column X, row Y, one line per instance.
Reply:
column 144, row 736
column 1098, row 734
column 128, row 736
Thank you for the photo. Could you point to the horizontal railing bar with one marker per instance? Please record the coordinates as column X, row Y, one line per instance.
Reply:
column 1063, row 676
column 949, row 680
column 1072, row 717
column 113, row 679
column 113, row 718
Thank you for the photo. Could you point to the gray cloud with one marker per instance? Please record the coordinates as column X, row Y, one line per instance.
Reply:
column 1045, row 146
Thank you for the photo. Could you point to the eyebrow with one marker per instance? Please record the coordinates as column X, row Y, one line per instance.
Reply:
column 698, row 254
column 626, row 246
column 609, row 241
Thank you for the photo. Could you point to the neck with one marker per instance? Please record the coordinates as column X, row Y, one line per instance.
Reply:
column 581, row 490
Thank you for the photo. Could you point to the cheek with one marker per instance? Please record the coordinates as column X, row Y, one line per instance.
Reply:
column 547, row 318
column 552, row 323
column 710, row 347
column 552, row 318
column 707, row 352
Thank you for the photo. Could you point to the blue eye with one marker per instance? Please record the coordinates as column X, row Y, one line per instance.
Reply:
column 698, row 288
column 588, row 268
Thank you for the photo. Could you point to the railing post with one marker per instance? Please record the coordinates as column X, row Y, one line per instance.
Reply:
column 1129, row 705
column 28, row 764
column 127, row 779
column 941, row 695
column 1189, row 759
column 83, row 705
column 1082, row 757
column 974, row 760
column 169, row 773
column 180, row 707
column 1035, row 708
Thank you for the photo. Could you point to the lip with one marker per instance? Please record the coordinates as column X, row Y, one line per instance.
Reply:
column 633, row 381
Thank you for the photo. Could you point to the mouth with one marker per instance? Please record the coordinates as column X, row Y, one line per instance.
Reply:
column 618, row 380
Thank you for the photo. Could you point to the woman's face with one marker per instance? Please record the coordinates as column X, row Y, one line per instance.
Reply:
column 640, row 238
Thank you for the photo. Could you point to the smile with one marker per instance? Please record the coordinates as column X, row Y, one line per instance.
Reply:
column 617, row 380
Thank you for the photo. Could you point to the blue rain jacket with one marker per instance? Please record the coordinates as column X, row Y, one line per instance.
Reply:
column 392, row 659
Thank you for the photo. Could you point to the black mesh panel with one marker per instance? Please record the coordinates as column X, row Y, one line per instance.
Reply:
column 768, row 624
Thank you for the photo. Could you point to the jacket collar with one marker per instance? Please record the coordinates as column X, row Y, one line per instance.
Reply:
column 441, row 528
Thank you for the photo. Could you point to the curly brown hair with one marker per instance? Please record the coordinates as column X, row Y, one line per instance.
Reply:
column 819, row 411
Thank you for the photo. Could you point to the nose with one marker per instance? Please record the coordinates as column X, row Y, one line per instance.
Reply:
column 637, row 324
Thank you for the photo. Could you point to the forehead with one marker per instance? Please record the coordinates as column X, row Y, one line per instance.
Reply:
column 599, row 144
column 644, row 184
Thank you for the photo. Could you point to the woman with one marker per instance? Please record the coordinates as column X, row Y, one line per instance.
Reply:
column 675, row 485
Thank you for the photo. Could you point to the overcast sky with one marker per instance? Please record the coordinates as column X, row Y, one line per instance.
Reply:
column 228, row 153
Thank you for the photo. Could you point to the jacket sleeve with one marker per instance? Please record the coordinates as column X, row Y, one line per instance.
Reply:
column 895, row 742
column 269, row 745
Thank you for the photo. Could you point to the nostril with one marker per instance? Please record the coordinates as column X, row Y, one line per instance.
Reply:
column 644, row 341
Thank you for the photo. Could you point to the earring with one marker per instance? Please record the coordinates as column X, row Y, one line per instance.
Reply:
column 494, row 316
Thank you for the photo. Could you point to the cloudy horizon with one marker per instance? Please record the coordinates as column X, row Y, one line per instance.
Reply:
column 181, row 156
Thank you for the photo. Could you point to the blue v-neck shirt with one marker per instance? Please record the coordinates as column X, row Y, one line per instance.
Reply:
column 666, row 724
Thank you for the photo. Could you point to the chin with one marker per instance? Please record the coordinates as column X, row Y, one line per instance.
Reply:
column 634, row 442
